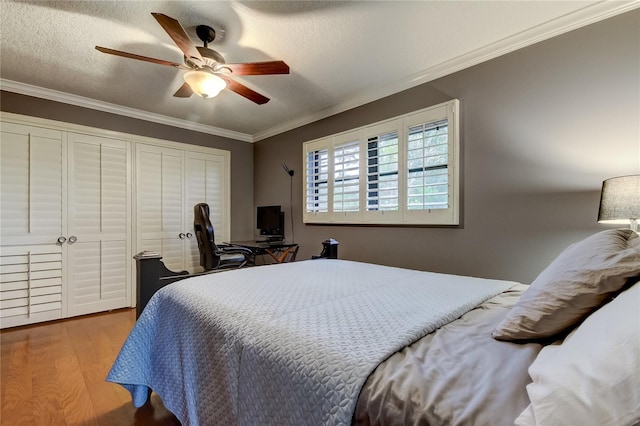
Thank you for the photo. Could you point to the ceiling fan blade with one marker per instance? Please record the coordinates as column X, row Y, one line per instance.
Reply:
column 259, row 68
column 184, row 91
column 140, row 58
column 178, row 35
column 243, row 90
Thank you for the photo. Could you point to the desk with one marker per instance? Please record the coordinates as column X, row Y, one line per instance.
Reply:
column 279, row 251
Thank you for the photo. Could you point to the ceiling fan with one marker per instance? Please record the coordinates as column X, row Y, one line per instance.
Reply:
column 207, row 72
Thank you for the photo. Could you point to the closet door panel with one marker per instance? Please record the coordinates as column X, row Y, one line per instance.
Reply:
column 160, row 193
column 206, row 182
column 32, row 182
column 195, row 189
column 32, row 209
column 99, row 221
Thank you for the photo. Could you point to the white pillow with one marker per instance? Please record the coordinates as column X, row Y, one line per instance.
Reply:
column 593, row 377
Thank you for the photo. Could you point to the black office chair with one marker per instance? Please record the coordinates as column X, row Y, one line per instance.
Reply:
column 214, row 256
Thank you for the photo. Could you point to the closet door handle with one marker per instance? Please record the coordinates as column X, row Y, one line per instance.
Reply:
column 181, row 235
column 72, row 239
column 61, row 240
column 189, row 235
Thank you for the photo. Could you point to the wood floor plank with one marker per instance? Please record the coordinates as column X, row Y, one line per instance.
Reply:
column 47, row 406
column 17, row 396
column 54, row 374
column 76, row 403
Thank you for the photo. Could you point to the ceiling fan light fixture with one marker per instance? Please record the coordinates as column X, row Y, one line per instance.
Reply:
column 204, row 83
column 207, row 72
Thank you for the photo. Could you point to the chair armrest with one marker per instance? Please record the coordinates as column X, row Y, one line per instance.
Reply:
column 230, row 249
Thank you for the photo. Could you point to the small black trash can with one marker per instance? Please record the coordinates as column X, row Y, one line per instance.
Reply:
column 329, row 249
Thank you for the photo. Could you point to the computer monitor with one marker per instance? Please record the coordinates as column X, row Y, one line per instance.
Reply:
column 270, row 222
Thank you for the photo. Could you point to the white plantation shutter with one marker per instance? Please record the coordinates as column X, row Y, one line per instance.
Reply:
column 98, row 276
column 66, row 213
column 100, row 185
column 382, row 172
column 207, row 180
column 170, row 182
column 408, row 175
column 346, row 177
column 32, row 204
column 432, row 165
column 160, row 184
column 31, row 184
column 317, row 179
column 427, row 165
column 172, row 195
column 99, row 218
column 30, row 283
column 206, row 183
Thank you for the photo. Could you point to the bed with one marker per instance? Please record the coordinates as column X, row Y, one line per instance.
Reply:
column 329, row 342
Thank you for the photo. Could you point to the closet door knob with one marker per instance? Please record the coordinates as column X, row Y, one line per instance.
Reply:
column 61, row 240
column 72, row 239
column 189, row 235
column 181, row 235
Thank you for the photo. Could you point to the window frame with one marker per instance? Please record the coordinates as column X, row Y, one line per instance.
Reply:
column 403, row 215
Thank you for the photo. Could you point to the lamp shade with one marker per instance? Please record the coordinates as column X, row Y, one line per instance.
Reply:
column 620, row 200
column 204, row 83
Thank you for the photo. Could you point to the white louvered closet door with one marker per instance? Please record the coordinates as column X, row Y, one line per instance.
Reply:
column 99, row 224
column 160, row 183
column 32, row 208
column 207, row 180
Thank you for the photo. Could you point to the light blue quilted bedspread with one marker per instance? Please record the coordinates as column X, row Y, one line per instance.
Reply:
column 288, row 344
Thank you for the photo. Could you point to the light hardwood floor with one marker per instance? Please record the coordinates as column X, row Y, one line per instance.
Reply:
column 54, row 374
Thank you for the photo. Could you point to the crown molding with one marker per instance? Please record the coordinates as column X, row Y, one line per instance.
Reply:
column 67, row 98
column 563, row 24
column 571, row 21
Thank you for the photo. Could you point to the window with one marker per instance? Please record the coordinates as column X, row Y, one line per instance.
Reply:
column 317, row 168
column 398, row 171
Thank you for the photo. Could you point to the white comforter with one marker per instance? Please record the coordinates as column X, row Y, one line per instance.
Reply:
column 288, row 344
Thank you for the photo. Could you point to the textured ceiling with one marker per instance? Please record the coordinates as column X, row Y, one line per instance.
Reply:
column 341, row 54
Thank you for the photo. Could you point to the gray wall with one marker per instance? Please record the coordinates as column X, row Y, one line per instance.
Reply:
column 541, row 129
column 242, row 225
